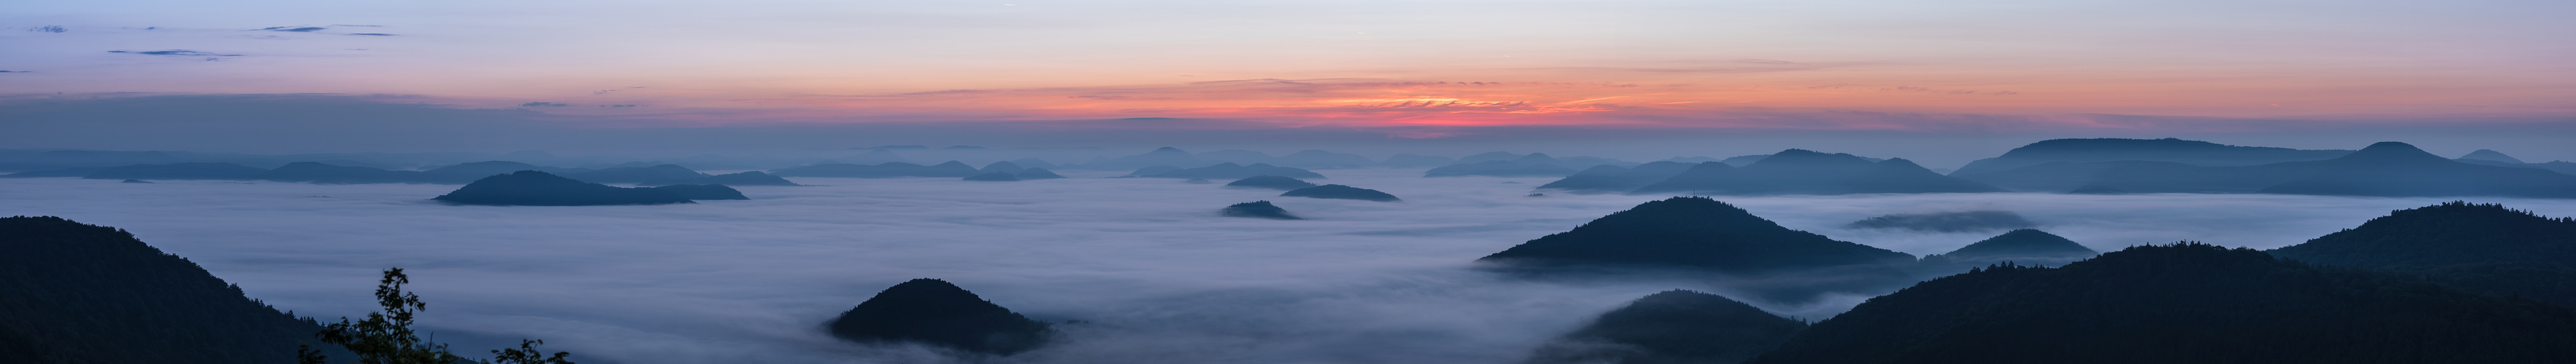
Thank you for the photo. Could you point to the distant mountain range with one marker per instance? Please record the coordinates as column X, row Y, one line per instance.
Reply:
column 2388, row 169
column 1789, row 172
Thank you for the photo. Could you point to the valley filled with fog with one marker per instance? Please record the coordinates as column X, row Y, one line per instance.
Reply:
column 1146, row 264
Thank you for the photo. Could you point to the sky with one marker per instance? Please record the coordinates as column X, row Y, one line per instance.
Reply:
column 2272, row 72
column 1148, row 262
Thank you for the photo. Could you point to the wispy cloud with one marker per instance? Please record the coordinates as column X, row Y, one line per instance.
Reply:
column 299, row 29
column 178, row 52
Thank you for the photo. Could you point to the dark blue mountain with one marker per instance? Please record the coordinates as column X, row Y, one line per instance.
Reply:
column 934, row 312
column 2480, row 247
column 77, row 293
column 1270, row 182
column 1676, row 326
column 2185, row 303
column 2189, row 152
column 1341, row 192
column 1615, row 179
column 1260, row 209
column 1802, row 172
column 704, row 192
column 1693, row 232
column 533, row 188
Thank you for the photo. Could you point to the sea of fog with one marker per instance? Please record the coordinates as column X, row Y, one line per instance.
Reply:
column 1146, row 263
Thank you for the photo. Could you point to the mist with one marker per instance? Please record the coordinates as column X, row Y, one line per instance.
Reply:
column 1148, row 264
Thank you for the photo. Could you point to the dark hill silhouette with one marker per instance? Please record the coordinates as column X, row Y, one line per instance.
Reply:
column 1499, row 169
column 1798, row 171
column 2144, row 177
column 951, row 169
column 2185, row 303
column 2388, row 169
column 1614, row 179
column 1341, row 192
column 1260, row 209
column 1983, row 220
column 1695, row 232
column 77, row 293
column 1270, row 182
column 663, row 172
column 533, row 188
column 135, row 181
column 704, row 192
column 1036, row 173
column 2491, row 155
column 994, row 177
column 2022, row 247
column 2480, row 247
column 224, row 171
column 316, row 172
column 2190, row 152
column 1676, row 326
column 932, row 311
column 1229, row 171
column 2396, row 169
column 752, row 178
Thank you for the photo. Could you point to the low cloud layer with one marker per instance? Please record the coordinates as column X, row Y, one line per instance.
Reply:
column 1160, row 276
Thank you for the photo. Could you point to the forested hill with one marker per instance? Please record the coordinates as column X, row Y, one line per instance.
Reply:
column 2186, row 303
column 2482, row 247
column 76, row 293
column 1693, row 232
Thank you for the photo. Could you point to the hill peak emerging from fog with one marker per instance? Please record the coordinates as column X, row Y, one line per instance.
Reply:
column 1693, row 232
column 2023, row 247
column 932, row 311
column 533, row 188
column 2491, row 155
column 1676, row 326
column 1260, row 209
column 1341, row 192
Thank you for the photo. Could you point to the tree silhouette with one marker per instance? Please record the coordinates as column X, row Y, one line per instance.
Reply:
column 388, row 338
